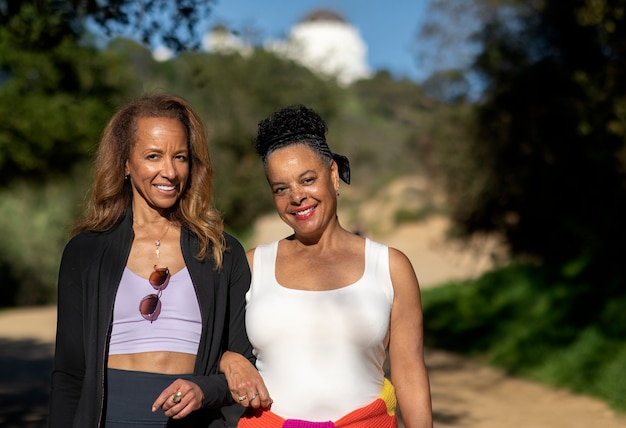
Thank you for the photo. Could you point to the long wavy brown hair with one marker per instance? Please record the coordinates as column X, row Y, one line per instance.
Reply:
column 111, row 193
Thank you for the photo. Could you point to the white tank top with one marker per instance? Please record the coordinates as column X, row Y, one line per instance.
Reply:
column 320, row 353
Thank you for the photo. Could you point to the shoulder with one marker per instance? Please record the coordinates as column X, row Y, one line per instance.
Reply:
column 83, row 241
column 402, row 274
column 234, row 250
column 395, row 256
column 400, row 267
column 260, row 249
column 84, row 249
column 232, row 242
column 398, row 259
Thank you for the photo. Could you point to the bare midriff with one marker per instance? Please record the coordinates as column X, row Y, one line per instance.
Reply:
column 154, row 362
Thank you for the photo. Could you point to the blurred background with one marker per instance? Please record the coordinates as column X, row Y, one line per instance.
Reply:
column 502, row 120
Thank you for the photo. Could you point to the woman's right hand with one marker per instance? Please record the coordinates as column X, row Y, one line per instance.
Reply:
column 244, row 381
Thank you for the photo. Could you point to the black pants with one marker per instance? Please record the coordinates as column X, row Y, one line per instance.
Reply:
column 129, row 398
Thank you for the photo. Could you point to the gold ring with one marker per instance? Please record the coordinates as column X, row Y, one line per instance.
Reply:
column 177, row 397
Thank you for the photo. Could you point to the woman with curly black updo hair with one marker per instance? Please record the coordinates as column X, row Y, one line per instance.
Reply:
column 326, row 305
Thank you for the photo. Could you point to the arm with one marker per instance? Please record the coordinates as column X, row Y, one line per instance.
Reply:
column 239, row 285
column 406, row 348
column 237, row 363
column 69, row 364
column 243, row 378
column 212, row 389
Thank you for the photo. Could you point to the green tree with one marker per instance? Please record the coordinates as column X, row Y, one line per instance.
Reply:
column 172, row 23
column 57, row 89
column 55, row 93
column 175, row 24
column 551, row 133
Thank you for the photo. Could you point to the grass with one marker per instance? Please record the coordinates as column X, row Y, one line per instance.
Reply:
column 535, row 323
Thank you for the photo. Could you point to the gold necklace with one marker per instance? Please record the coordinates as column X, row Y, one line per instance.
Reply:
column 157, row 243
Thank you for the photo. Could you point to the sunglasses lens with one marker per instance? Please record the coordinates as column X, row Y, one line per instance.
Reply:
column 159, row 276
column 150, row 307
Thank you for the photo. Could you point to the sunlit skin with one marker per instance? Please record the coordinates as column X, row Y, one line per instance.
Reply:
column 304, row 190
column 158, row 169
column 158, row 166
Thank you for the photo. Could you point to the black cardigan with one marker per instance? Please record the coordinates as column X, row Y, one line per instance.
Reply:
column 90, row 272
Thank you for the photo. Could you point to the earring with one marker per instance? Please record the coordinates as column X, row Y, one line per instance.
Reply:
column 337, row 194
column 126, row 176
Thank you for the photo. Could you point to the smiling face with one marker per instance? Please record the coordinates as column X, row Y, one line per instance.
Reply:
column 158, row 165
column 304, row 188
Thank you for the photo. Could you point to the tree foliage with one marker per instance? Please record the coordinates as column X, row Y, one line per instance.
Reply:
column 551, row 131
column 172, row 23
column 55, row 93
column 56, row 90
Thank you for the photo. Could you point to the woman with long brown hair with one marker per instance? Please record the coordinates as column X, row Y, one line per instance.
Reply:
column 151, row 289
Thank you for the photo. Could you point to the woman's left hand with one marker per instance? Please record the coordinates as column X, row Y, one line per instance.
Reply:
column 179, row 399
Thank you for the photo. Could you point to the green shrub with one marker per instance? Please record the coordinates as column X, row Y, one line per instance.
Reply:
column 36, row 223
column 533, row 322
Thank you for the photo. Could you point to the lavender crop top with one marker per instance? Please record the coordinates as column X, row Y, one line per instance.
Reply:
column 178, row 327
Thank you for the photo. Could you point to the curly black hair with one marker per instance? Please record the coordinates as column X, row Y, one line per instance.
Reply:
column 297, row 124
column 287, row 126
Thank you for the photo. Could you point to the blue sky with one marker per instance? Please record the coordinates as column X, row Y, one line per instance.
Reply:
column 388, row 27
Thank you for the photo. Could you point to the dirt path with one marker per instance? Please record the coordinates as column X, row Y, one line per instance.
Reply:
column 467, row 394
column 464, row 393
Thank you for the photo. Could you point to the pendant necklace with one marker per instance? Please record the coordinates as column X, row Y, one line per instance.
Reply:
column 157, row 243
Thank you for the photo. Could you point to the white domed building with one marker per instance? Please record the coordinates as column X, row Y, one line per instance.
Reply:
column 326, row 43
column 221, row 39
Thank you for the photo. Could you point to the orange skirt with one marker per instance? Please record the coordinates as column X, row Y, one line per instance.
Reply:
column 381, row 413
